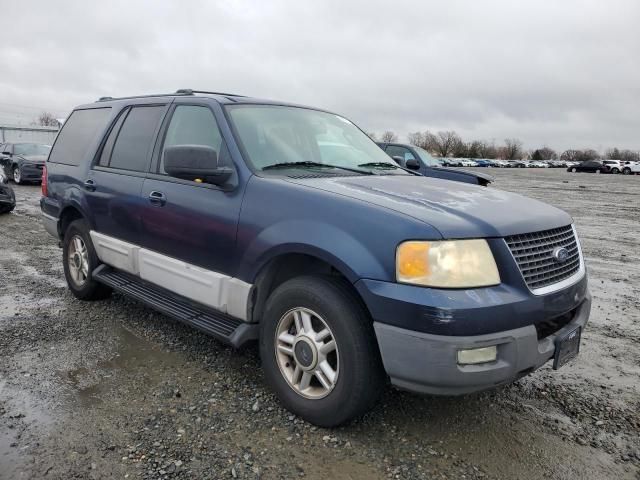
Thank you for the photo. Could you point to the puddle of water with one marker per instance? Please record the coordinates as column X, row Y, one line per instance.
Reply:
column 92, row 383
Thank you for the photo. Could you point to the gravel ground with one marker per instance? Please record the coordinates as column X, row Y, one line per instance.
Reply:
column 113, row 389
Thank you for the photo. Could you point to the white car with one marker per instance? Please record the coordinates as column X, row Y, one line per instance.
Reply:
column 466, row 162
column 615, row 166
column 538, row 164
column 631, row 168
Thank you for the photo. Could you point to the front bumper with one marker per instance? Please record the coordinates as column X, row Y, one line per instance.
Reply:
column 427, row 363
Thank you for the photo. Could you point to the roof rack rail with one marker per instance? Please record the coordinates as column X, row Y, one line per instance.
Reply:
column 190, row 91
column 179, row 92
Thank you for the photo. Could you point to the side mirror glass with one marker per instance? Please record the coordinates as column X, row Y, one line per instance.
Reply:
column 195, row 163
column 412, row 164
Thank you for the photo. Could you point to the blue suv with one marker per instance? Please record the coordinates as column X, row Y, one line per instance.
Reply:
column 259, row 220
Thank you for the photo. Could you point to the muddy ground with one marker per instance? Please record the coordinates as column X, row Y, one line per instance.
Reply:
column 113, row 389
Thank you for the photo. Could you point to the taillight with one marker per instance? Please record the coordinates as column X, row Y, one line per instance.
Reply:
column 44, row 181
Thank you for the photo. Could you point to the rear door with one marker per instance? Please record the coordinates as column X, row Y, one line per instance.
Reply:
column 113, row 185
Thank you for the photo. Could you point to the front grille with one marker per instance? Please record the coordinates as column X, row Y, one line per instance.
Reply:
column 533, row 253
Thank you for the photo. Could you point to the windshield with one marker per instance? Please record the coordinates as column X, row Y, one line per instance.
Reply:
column 272, row 134
column 427, row 159
column 31, row 149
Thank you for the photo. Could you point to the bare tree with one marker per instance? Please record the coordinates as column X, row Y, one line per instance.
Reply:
column 47, row 119
column 445, row 142
column 512, row 149
column 544, row 153
column 417, row 139
column 389, row 137
column 373, row 136
column 579, row 155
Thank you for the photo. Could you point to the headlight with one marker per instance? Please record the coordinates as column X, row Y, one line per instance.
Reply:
column 447, row 264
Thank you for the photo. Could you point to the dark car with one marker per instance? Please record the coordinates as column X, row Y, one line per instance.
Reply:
column 23, row 162
column 418, row 159
column 259, row 220
column 7, row 197
column 592, row 166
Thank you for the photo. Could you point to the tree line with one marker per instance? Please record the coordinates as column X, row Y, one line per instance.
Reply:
column 450, row 144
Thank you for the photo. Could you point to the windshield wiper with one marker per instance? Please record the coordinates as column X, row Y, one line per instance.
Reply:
column 313, row 165
column 387, row 166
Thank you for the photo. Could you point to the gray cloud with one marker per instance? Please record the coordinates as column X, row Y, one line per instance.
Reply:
column 556, row 73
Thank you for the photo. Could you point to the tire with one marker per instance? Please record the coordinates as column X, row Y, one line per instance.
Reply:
column 615, row 170
column 626, row 171
column 6, row 208
column 598, row 170
column 574, row 170
column 82, row 288
column 326, row 304
column 17, row 175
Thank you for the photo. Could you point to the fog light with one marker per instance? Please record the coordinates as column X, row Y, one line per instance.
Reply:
column 477, row 355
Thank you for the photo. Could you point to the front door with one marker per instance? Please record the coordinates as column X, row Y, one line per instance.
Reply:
column 188, row 228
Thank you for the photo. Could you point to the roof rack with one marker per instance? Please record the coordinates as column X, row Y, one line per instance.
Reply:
column 182, row 91
column 190, row 91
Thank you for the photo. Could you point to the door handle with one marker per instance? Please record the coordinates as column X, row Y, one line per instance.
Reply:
column 90, row 185
column 157, row 198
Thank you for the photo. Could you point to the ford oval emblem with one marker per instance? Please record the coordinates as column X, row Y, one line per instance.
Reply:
column 560, row 254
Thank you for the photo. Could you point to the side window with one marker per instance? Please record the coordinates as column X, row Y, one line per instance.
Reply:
column 78, row 134
column 395, row 151
column 194, row 125
column 105, row 156
column 135, row 138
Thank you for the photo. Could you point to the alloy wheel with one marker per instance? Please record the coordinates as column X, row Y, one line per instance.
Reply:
column 78, row 258
column 307, row 353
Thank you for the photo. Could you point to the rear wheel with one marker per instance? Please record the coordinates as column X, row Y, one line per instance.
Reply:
column 598, row 170
column 319, row 352
column 574, row 170
column 17, row 175
column 626, row 171
column 79, row 260
column 615, row 170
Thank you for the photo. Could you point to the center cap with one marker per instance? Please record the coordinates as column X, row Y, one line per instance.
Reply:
column 77, row 260
column 305, row 353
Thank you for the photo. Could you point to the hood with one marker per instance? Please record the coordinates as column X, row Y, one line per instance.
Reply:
column 457, row 210
column 34, row 158
column 485, row 177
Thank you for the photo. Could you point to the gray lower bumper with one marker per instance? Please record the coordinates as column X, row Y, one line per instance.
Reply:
column 427, row 363
column 50, row 225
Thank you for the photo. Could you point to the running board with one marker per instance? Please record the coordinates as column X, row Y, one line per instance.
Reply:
column 228, row 329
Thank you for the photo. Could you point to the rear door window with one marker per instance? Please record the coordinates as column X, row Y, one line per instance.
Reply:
column 134, row 141
column 79, row 132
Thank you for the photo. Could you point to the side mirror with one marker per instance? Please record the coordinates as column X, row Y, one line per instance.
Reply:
column 8, row 154
column 195, row 162
column 412, row 164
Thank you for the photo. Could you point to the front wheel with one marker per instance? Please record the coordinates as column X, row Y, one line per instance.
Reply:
column 615, row 170
column 626, row 171
column 574, row 170
column 319, row 352
column 598, row 170
column 79, row 260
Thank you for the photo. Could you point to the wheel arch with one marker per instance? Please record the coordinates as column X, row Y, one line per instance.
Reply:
column 285, row 265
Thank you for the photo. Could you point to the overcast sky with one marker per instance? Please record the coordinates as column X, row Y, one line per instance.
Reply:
column 562, row 73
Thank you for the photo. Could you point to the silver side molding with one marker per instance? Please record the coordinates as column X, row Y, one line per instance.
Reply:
column 226, row 294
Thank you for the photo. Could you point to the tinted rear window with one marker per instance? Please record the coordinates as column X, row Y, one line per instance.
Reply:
column 131, row 150
column 78, row 134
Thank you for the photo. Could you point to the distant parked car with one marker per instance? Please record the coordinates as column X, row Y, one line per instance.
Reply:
column 481, row 162
column 7, row 197
column 538, row 164
column 592, row 166
column 467, row 162
column 23, row 162
column 416, row 158
column 520, row 164
column 615, row 166
column 631, row 168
